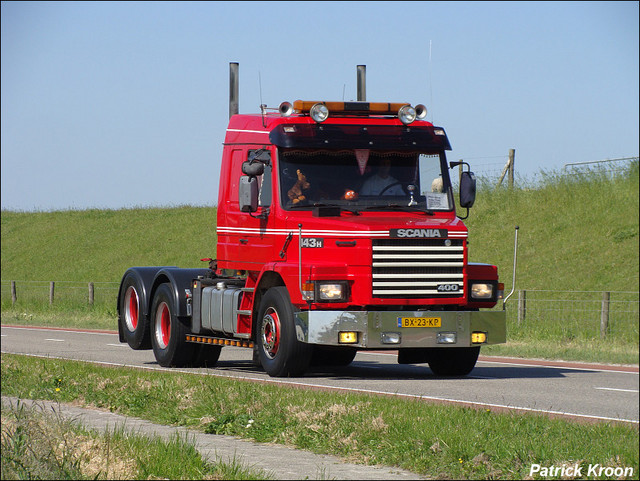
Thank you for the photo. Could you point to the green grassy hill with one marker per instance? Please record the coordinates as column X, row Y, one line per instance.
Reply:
column 576, row 233
column 99, row 245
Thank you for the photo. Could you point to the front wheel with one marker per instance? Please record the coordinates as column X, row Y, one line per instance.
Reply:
column 455, row 361
column 279, row 351
column 333, row 355
column 168, row 331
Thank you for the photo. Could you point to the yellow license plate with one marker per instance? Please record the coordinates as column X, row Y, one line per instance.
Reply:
column 419, row 322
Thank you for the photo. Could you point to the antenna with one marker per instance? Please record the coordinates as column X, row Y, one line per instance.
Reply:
column 263, row 107
column 430, row 85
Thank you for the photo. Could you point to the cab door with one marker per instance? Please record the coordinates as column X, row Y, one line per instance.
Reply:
column 244, row 238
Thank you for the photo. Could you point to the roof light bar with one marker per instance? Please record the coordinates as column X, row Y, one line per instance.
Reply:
column 320, row 111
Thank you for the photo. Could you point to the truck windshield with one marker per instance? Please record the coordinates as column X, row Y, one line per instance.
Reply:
column 363, row 179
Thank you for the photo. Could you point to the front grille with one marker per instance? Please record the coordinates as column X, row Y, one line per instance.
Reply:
column 417, row 268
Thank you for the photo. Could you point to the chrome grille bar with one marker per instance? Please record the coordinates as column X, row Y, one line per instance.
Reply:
column 413, row 268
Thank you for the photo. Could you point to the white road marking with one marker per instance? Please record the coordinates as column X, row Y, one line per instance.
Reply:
column 615, row 389
column 366, row 391
column 73, row 331
column 55, row 340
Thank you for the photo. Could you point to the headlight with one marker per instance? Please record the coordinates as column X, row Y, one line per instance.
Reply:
column 325, row 291
column 407, row 114
column 319, row 112
column 331, row 292
column 481, row 291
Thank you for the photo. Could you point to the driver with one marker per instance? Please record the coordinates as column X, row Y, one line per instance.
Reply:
column 375, row 184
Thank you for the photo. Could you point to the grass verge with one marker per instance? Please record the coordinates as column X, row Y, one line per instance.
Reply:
column 432, row 440
column 44, row 445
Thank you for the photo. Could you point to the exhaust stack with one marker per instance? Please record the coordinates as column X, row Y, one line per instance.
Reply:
column 362, row 83
column 233, row 88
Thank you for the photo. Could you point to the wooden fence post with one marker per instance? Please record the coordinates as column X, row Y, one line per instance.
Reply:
column 522, row 305
column 14, row 297
column 51, row 289
column 91, row 298
column 512, row 161
column 508, row 167
column 604, row 315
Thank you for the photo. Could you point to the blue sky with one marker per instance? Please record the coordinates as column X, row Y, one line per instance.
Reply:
column 125, row 104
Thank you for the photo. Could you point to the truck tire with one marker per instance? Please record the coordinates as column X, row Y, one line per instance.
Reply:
column 168, row 331
column 455, row 361
column 333, row 356
column 135, row 325
column 280, row 352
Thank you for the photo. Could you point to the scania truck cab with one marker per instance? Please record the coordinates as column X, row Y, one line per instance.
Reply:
column 337, row 231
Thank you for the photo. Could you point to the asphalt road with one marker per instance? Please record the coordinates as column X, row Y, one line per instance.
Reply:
column 584, row 391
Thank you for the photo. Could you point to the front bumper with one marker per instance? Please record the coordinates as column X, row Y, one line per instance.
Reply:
column 375, row 328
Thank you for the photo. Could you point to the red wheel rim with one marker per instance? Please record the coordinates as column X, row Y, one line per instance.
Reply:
column 131, row 309
column 163, row 325
column 271, row 332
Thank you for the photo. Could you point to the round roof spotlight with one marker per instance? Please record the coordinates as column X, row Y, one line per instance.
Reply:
column 407, row 114
column 285, row 109
column 421, row 111
column 319, row 112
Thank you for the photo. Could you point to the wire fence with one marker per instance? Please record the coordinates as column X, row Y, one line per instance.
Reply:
column 544, row 313
column 490, row 169
column 66, row 294
column 611, row 166
column 575, row 314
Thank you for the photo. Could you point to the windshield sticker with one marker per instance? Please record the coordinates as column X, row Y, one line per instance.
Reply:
column 437, row 201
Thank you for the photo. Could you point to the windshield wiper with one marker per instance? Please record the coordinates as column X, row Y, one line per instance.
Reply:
column 321, row 205
column 401, row 208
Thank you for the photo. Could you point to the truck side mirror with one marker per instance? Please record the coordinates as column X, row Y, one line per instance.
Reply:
column 467, row 189
column 252, row 169
column 248, row 192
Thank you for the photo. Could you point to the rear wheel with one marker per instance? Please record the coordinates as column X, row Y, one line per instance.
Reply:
column 455, row 361
column 168, row 331
column 279, row 351
column 135, row 325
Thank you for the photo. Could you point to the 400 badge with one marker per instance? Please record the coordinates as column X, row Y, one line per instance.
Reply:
column 448, row 287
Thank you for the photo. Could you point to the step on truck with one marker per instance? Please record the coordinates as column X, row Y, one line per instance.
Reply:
column 337, row 231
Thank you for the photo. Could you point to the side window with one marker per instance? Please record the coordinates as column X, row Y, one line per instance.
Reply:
column 432, row 184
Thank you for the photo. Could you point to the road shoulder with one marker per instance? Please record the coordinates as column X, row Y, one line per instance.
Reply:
column 289, row 463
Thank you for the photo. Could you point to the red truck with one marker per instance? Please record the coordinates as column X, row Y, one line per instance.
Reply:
column 336, row 232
